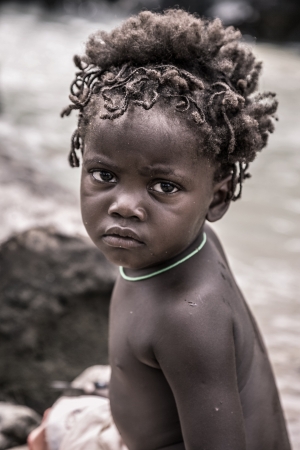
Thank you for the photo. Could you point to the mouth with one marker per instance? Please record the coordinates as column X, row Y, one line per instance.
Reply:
column 122, row 238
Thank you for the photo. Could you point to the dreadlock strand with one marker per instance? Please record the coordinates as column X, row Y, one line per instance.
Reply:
column 231, row 131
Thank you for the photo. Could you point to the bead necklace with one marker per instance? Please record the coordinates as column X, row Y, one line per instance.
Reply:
column 158, row 272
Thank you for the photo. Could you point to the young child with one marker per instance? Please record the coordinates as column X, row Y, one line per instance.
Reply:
column 168, row 123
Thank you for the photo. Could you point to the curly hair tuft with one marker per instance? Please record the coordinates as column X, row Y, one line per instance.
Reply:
column 204, row 67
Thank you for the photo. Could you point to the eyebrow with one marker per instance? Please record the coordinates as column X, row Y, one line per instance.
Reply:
column 100, row 161
column 150, row 171
column 146, row 171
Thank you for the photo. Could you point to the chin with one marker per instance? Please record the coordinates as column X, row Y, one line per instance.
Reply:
column 122, row 257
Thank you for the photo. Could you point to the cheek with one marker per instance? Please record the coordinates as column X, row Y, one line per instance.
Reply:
column 178, row 227
column 193, row 213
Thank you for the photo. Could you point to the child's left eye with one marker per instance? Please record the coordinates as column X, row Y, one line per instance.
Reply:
column 165, row 186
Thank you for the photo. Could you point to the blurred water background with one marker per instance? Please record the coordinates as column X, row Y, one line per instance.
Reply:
column 260, row 233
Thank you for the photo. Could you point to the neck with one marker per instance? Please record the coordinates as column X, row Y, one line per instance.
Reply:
column 151, row 271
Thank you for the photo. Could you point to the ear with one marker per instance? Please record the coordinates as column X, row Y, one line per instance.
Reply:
column 220, row 203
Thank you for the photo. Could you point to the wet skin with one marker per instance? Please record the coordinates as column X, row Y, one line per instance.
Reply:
column 189, row 369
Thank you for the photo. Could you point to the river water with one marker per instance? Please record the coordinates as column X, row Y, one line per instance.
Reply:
column 260, row 233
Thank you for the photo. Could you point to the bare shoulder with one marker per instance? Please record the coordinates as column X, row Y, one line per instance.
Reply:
column 198, row 310
column 197, row 324
column 195, row 349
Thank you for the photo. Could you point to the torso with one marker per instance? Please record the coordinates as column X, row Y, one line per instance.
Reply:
column 142, row 402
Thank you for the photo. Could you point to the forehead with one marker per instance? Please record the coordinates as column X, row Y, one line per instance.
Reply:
column 156, row 134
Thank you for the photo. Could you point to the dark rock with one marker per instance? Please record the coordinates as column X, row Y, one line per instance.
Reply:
column 55, row 292
column 16, row 422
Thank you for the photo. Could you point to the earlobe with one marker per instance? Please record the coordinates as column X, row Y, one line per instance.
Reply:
column 221, row 199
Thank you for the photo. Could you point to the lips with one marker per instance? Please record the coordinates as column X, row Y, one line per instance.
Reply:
column 121, row 238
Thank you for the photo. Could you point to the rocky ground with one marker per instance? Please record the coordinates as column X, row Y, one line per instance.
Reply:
column 55, row 292
column 15, row 424
column 55, row 288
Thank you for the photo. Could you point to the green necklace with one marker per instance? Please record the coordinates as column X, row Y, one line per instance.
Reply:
column 158, row 272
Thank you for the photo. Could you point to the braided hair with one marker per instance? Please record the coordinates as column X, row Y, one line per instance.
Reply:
column 198, row 64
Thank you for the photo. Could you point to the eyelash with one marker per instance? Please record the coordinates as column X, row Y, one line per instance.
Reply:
column 114, row 180
column 93, row 172
column 166, row 183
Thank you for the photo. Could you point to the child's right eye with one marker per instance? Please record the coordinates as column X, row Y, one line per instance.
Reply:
column 104, row 176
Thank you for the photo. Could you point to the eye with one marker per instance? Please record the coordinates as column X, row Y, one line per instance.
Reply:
column 104, row 176
column 165, row 186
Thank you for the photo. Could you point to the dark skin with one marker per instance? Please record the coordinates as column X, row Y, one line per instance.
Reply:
column 189, row 369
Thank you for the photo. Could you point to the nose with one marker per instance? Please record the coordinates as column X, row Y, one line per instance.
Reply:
column 127, row 206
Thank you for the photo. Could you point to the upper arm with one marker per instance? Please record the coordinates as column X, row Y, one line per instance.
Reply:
column 195, row 350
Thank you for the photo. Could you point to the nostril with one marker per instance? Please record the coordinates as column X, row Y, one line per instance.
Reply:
column 115, row 214
column 126, row 210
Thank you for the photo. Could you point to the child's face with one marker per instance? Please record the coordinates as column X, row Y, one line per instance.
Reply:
column 145, row 191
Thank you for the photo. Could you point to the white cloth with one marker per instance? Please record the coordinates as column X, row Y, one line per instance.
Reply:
column 81, row 423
